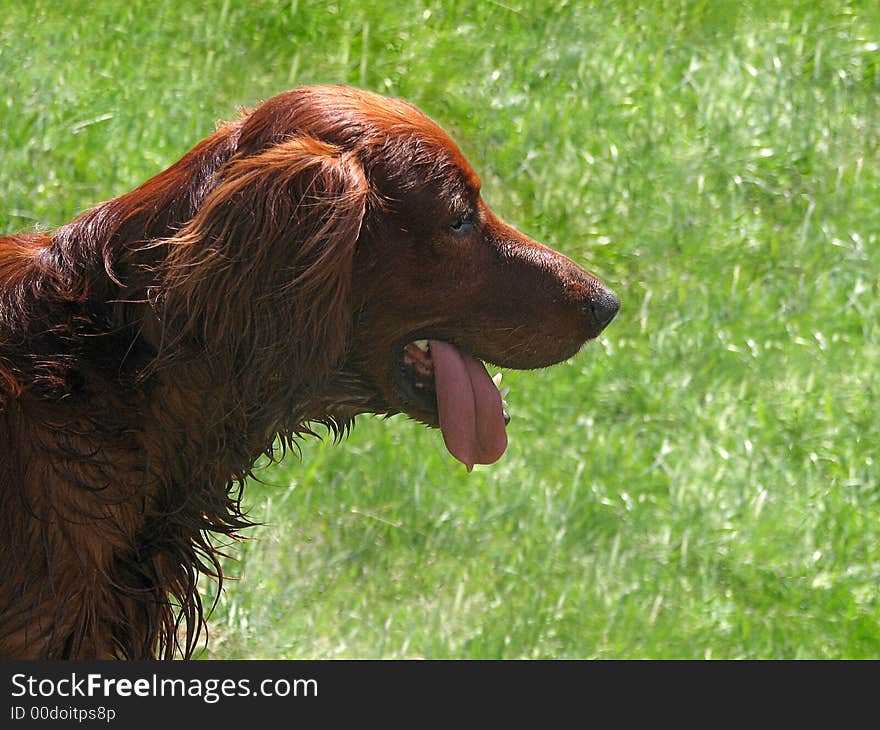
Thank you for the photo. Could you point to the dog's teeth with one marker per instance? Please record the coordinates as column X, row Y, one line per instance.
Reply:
column 422, row 345
column 496, row 378
column 504, row 391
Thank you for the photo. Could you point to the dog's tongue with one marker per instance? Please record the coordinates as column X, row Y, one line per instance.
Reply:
column 469, row 404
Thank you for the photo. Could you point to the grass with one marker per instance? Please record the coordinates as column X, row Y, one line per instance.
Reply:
column 700, row 482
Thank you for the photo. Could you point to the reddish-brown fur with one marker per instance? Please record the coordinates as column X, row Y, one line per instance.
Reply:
column 152, row 349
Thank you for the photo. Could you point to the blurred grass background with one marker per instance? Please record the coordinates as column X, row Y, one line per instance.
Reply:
column 700, row 482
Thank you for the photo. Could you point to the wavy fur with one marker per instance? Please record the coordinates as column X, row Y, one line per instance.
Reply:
column 152, row 349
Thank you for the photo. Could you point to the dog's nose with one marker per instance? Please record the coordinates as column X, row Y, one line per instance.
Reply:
column 603, row 307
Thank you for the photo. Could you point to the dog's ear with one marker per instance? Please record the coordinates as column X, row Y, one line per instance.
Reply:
column 261, row 276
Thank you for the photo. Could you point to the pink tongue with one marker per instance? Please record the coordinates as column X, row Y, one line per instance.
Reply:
column 469, row 404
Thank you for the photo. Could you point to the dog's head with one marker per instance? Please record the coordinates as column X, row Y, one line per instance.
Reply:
column 366, row 236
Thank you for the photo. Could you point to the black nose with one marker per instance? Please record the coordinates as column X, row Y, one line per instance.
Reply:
column 604, row 306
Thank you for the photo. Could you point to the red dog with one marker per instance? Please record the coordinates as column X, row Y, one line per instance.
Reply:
column 325, row 255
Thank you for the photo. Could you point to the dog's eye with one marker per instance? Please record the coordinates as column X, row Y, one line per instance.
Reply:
column 462, row 226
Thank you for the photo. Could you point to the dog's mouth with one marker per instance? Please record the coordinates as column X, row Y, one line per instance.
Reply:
column 441, row 385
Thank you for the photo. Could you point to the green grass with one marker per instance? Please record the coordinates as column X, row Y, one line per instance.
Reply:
column 700, row 482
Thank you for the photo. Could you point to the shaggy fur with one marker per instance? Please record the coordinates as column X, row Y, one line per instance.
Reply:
column 152, row 349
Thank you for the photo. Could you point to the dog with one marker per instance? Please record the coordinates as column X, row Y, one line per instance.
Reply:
column 326, row 254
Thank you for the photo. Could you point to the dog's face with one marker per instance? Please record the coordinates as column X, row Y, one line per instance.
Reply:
column 442, row 285
column 431, row 283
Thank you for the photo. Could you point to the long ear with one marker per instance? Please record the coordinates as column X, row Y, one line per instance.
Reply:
column 261, row 276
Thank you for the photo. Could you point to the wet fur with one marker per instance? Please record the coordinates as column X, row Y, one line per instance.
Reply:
column 152, row 349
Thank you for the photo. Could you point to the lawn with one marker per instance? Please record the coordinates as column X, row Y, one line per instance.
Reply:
column 702, row 481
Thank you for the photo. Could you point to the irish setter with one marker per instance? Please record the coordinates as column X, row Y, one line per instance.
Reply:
column 324, row 255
